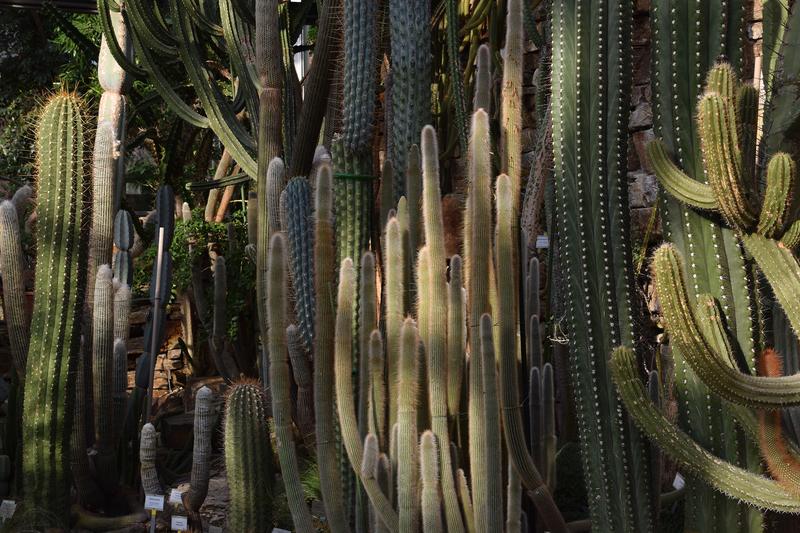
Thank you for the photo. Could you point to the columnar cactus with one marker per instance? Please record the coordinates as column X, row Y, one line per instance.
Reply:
column 204, row 420
column 407, row 458
column 11, row 270
column 590, row 84
column 429, row 473
column 280, row 384
column 103, row 376
column 59, row 288
column 250, row 474
column 297, row 199
column 325, row 284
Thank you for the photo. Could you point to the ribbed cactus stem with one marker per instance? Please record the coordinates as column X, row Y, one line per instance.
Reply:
column 344, row 392
column 11, row 270
column 147, row 461
column 720, row 143
column 122, row 311
column 120, row 388
column 478, row 232
column 407, row 462
column 377, row 387
column 493, row 445
column 512, row 417
column 325, row 284
column 280, row 385
column 250, row 475
column 201, row 452
column 298, row 356
column 781, row 174
column 102, row 229
column 513, row 501
column 300, row 236
column 548, row 435
column 436, row 296
column 103, row 372
column 511, row 103
column 55, row 323
column 466, row 500
column 411, row 78
column 393, row 266
column 21, row 199
column 386, row 192
column 267, row 219
column 483, row 80
column 367, row 323
column 413, row 180
column 429, row 473
column 456, row 335
column 386, row 482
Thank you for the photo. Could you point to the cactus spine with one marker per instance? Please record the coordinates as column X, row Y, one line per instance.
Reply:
column 55, row 323
column 250, row 475
column 280, row 384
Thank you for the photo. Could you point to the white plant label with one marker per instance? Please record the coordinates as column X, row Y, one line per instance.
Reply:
column 175, row 496
column 153, row 502
column 179, row 523
column 542, row 241
column 7, row 508
column 678, row 483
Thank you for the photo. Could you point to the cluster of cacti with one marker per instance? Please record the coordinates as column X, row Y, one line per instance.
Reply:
column 730, row 219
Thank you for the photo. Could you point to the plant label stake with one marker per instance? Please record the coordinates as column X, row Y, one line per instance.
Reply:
column 156, row 323
column 153, row 503
column 179, row 523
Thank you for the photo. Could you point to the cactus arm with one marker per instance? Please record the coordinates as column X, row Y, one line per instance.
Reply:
column 729, row 479
column 466, row 500
column 510, row 404
column 781, row 174
column 436, row 346
column 747, row 114
column 201, row 452
column 719, row 139
column 344, row 392
column 222, row 118
column 301, row 251
column 151, row 28
column 122, row 311
column 713, row 367
column 782, row 271
column 236, row 31
column 429, row 469
column 494, row 451
column 676, row 182
column 11, row 270
column 456, row 336
column 511, row 106
column 407, row 456
column 483, row 80
column 478, row 231
column 393, row 314
column 124, row 58
column 367, row 323
column 304, row 410
column 377, row 387
column 147, row 461
column 280, row 385
column 120, row 388
column 325, row 287
column 55, row 321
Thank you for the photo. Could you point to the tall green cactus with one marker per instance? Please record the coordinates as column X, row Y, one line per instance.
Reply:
column 248, row 458
column 59, row 287
column 682, row 57
column 590, row 84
